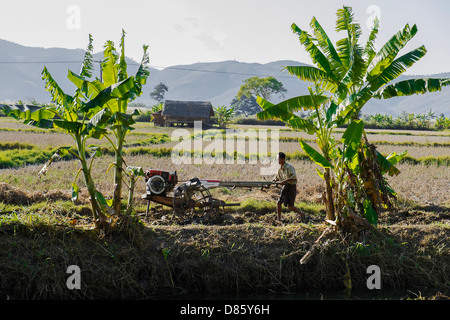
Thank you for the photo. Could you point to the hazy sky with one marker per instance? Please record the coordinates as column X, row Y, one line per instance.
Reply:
column 189, row 31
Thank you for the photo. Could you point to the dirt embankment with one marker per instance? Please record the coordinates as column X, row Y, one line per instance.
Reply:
column 241, row 252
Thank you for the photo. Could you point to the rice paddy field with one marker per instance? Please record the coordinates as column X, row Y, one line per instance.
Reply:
column 158, row 255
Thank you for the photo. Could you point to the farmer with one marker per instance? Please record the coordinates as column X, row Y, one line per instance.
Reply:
column 288, row 177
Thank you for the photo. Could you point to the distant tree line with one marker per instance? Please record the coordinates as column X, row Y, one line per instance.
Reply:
column 407, row 121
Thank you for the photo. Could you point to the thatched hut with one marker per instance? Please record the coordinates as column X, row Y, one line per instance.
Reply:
column 184, row 113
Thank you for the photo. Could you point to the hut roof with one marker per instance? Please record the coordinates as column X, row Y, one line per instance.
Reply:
column 188, row 109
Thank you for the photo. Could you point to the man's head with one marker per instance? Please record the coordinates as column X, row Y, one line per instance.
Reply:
column 281, row 158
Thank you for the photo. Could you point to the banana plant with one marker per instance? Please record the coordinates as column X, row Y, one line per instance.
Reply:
column 108, row 102
column 349, row 75
column 64, row 114
column 97, row 109
column 223, row 115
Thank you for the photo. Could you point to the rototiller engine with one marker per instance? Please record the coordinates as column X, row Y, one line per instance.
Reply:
column 160, row 182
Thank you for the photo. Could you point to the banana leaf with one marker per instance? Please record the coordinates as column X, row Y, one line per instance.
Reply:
column 369, row 213
column 331, row 110
column 316, row 55
column 315, row 156
column 69, row 126
column 117, row 90
column 123, row 119
column 315, row 75
column 75, row 192
column 29, row 112
column 271, row 112
column 109, row 64
column 88, row 62
column 141, row 75
column 386, row 166
column 106, row 204
column 352, row 138
column 43, row 123
column 397, row 68
column 122, row 72
column 389, row 51
column 101, row 118
column 369, row 50
column 62, row 99
column 95, row 151
column 351, row 106
column 328, row 48
column 89, row 88
column 412, row 86
column 346, row 46
column 135, row 171
column 395, row 158
column 303, row 124
column 285, row 109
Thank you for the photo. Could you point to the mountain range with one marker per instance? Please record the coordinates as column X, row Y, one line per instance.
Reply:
column 218, row 82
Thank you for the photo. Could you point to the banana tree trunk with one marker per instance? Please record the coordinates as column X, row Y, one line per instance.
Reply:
column 117, row 199
column 98, row 215
column 130, row 195
column 329, row 204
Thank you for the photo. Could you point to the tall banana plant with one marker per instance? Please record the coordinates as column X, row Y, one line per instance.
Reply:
column 97, row 109
column 350, row 74
column 108, row 103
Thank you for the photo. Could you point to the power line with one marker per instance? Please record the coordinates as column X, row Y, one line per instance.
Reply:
column 38, row 62
column 216, row 71
column 156, row 67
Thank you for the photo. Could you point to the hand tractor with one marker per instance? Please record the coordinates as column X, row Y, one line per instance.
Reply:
column 193, row 196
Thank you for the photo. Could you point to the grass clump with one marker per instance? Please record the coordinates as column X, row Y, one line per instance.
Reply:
column 13, row 155
column 443, row 161
column 258, row 206
column 17, row 158
column 15, row 146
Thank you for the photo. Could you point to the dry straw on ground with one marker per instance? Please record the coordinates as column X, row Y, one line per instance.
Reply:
column 15, row 196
